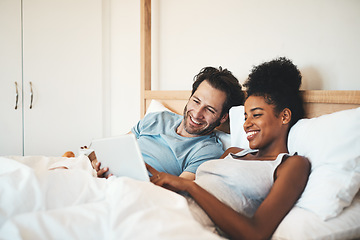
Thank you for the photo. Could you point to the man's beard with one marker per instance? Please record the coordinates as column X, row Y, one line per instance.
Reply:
column 200, row 131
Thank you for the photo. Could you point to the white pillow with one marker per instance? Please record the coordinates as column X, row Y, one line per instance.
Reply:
column 237, row 133
column 156, row 106
column 301, row 224
column 332, row 144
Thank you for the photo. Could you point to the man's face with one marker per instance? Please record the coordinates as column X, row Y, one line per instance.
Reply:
column 203, row 111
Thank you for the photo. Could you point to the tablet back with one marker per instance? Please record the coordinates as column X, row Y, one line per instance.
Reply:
column 121, row 155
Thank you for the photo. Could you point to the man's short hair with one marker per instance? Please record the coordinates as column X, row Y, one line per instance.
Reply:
column 223, row 80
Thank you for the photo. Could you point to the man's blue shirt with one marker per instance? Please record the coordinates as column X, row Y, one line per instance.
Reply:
column 166, row 151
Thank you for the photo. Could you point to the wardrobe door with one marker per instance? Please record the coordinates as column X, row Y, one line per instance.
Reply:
column 10, row 78
column 62, row 67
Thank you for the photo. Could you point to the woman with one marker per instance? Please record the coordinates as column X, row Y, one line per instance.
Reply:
column 267, row 181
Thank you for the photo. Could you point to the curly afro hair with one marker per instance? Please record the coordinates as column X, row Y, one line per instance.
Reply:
column 278, row 81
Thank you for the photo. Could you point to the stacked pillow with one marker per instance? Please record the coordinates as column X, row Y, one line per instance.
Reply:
column 237, row 133
column 332, row 144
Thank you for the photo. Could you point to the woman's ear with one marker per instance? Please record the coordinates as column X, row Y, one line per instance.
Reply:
column 286, row 116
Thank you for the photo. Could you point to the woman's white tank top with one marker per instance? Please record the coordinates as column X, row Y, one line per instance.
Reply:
column 241, row 184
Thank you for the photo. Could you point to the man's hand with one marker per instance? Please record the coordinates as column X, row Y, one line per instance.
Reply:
column 97, row 166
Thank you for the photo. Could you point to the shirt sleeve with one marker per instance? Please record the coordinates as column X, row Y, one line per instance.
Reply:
column 205, row 153
column 138, row 128
column 148, row 122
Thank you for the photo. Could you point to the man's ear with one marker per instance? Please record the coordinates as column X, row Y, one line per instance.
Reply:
column 224, row 118
column 286, row 116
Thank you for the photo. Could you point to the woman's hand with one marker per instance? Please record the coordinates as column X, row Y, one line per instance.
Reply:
column 168, row 181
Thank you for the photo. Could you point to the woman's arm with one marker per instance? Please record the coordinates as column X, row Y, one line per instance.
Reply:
column 188, row 175
column 291, row 178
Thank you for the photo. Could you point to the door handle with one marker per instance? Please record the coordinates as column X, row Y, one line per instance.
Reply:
column 31, row 95
column 16, row 96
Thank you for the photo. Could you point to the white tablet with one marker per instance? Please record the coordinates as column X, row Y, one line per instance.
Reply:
column 122, row 156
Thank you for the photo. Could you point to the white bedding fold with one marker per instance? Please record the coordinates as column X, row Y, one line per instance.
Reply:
column 37, row 203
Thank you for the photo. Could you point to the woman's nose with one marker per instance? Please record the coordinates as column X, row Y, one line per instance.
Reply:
column 247, row 123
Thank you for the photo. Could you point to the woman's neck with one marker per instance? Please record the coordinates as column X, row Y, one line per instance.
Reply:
column 273, row 150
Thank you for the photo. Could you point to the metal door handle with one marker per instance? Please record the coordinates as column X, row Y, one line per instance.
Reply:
column 16, row 96
column 31, row 95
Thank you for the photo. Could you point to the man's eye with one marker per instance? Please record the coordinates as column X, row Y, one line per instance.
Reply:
column 257, row 115
column 196, row 101
column 210, row 110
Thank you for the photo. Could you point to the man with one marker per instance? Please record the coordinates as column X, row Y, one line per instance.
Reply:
column 178, row 144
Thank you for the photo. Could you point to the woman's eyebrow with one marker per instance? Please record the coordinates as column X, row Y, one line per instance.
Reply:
column 256, row 108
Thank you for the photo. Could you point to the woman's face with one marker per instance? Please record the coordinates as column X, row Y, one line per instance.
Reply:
column 261, row 125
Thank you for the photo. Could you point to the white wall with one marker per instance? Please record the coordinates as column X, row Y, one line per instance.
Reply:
column 121, row 65
column 322, row 37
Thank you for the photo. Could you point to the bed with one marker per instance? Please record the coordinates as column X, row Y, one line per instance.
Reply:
column 38, row 203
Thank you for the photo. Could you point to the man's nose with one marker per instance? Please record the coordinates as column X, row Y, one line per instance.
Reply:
column 198, row 112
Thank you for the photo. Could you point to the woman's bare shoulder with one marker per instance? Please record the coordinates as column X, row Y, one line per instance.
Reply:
column 298, row 160
column 295, row 165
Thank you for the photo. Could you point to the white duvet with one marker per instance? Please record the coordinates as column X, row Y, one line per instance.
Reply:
column 37, row 203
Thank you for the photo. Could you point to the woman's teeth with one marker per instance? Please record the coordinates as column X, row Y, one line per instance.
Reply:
column 250, row 134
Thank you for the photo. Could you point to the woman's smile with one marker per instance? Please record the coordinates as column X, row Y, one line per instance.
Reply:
column 250, row 135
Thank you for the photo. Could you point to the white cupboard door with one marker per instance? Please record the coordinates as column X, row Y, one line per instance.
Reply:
column 10, row 73
column 62, row 67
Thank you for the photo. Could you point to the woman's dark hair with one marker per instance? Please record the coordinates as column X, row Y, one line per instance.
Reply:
column 278, row 81
column 223, row 80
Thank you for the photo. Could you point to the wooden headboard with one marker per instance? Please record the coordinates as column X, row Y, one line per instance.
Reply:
column 317, row 102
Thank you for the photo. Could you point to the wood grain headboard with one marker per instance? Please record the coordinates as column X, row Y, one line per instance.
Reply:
column 317, row 102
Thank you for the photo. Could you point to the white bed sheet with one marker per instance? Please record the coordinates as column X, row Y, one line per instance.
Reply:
column 36, row 203
column 301, row 224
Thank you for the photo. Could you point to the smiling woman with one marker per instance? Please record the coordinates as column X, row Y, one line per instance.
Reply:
column 262, row 126
column 273, row 104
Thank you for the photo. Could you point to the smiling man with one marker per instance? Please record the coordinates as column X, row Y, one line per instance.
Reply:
column 178, row 144
column 203, row 111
